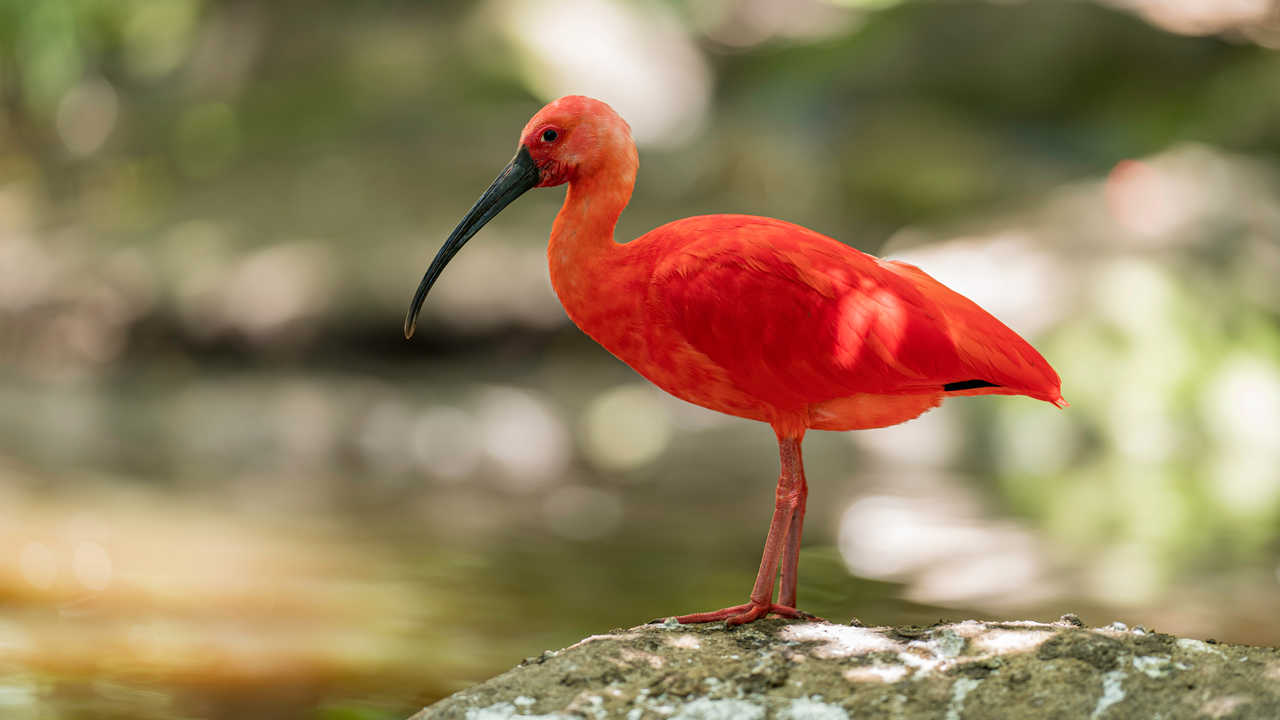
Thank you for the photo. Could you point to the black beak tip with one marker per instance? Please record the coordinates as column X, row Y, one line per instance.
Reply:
column 520, row 175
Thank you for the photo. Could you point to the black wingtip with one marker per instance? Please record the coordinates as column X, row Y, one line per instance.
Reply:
column 967, row 385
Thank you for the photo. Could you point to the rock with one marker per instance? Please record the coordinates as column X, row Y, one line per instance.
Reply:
column 800, row 670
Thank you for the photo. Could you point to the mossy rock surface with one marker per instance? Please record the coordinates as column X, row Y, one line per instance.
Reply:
column 799, row 670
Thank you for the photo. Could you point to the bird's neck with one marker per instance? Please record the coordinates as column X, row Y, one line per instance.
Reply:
column 595, row 277
column 582, row 241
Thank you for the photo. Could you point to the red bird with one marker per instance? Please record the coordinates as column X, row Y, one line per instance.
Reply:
column 751, row 316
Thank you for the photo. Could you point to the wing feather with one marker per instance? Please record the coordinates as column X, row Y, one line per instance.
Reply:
column 795, row 318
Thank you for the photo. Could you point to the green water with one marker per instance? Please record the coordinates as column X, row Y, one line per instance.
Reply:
column 258, row 568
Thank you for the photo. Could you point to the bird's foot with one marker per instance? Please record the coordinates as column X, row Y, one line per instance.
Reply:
column 748, row 612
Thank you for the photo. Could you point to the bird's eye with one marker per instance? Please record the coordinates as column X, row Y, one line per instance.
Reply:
column 549, row 135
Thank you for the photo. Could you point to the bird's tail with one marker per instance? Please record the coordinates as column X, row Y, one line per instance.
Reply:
column 995, row 360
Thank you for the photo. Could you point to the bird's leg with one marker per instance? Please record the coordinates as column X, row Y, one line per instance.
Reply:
column 791, row 550
column 782, row 532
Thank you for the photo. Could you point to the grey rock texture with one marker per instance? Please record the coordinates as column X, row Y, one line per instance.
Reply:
column 799, row 670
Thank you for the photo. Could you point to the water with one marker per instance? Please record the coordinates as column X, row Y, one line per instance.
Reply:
column 356, row 542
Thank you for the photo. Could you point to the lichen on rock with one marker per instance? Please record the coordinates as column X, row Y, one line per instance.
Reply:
column 800, row 670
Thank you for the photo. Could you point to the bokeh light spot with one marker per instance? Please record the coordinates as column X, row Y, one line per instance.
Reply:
column 158, row 36
column 1242, row 404
column 1005, row 274
column 445, row 443
column 1247, row 485
column 276, row 286
column 1126, row 574
column 641, row 63
column 931, row 440
column 1201, row 17
column 626, row 427
column 87, row 115
column 522, row 435
column 91, row 565
column 945, row 552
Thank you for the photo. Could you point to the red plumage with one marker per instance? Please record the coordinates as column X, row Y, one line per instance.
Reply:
column 771, row 321
column 750, row 316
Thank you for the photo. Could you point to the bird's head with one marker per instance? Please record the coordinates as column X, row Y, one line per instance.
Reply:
column 568, row 140
column 573, row 137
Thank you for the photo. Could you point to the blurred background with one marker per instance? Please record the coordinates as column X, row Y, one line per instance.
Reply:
column 229, row 488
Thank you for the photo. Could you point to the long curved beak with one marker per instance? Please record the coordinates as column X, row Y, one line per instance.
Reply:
column 516, row 178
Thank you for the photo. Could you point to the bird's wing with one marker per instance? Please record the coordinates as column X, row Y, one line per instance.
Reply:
column 988, row 349
column 794, row 317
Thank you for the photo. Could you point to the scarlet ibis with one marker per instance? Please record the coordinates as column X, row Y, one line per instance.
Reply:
column 750, row 316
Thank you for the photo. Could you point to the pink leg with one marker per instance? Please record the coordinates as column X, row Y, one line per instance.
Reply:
column 783, row 532
column 791, row 551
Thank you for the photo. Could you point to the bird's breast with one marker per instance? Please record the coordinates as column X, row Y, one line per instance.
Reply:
column 611, row 305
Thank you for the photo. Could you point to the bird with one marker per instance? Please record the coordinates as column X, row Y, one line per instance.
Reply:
column 750, row 316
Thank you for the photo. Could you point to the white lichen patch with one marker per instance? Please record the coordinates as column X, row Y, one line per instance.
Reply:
column 523, row 701
column 936, row 651
column 705, row 709
column 631, row 656
column 959, row 689
column 507, row 711
column 968, row 628
column 1223, row 706
column 840, row 640
column 686, row 641
column 1153, row 666
column 1025, row 624
column 921, row 657
column 806, row 709
column 1198, row 646
column 1000, row 642
column 933, row 653
column 875, row 673
column 595, row 638
column 948, row 643
column 1112, row 692
column 588, row 704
